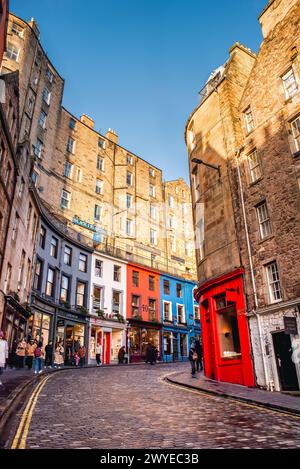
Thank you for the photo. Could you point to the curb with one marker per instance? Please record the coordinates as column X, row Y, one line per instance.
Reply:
column 245, row 400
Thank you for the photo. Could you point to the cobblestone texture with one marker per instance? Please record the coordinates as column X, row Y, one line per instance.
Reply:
column 133, row 408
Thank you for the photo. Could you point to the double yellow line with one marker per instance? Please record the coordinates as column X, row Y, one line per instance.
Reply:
column 19, row 441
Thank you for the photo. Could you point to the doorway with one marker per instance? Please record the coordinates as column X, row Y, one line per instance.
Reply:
column 106, row 348
column 285, row 365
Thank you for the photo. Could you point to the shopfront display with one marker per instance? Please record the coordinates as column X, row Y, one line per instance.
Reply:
column 14, row 325
column 139, row 338
column 111, row 335
column 40, row 327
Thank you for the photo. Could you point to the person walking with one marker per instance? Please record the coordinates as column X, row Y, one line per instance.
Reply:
column 150, row 354
column 20, row 352
column 121, row 355
column 199, row 351
column 30, row 348
column 81, row 354
column 49, row 355
column 193, row 357
column 38, row 355
column 3, row 354
column 59, row 355
column 98, row 351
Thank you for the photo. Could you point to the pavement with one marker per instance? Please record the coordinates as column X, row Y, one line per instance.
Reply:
column 271, row 400
column 135, row 407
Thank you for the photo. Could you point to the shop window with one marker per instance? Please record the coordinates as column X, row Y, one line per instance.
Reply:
column 135, row 278
column 228, row 331
column 152, row 310
column 183, row 345
column 166, row 287
column 151, row 283
column 196, row 313
column 135, row 306
column 168, row 343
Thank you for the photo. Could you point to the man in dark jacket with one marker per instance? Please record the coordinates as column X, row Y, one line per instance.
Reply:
column 121, row 355
column 193, row 359
column 199, row 350
column 49, row 355
column 150, row 354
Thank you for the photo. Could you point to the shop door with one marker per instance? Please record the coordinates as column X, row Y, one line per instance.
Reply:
column 210, row 353
column 285, row 366
column 69, row 350
column 175, row 347
column 106, row 348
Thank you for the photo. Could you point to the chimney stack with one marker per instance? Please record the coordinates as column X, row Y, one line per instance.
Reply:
column 112, row 135
column 87, row 121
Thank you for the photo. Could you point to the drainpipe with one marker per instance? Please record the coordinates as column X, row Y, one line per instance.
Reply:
column 259, row 323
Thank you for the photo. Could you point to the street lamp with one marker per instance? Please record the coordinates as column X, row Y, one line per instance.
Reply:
column 212, row 166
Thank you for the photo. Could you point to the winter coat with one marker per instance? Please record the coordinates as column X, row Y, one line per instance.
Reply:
column 199, row 349
column 150, row 354
column 121, row 353
column 49, row 350
column 59, row 355
column 3, row 352
column 30, row 350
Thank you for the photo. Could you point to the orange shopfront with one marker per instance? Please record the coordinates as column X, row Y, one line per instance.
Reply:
column 225, row 334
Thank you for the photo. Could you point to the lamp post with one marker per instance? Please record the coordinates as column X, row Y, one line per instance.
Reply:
column 212, row 166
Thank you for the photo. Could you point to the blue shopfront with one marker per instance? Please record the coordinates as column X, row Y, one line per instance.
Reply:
column 180, row 317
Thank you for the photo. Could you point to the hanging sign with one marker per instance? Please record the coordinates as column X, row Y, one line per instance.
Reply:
column 290, row 325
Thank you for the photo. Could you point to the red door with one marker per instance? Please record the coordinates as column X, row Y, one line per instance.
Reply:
column 106, row 348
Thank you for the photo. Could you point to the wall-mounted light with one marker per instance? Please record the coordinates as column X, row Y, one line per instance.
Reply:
column 212, row 166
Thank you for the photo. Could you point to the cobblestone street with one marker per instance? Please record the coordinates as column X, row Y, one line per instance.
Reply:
column 132, row 407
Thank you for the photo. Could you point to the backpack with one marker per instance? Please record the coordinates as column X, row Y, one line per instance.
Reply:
column 38, row 352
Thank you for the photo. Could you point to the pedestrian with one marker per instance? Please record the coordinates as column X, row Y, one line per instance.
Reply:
column 150, row 354
column 199, row 351
column 38, row 355
column 3, row 354
column 59, row 355
column 49, row 354
column 98, row 351
column 20, row 352
column 30, row 348
column 81, row 354
column 121, row 355
column 76, row 359
column 193, row 357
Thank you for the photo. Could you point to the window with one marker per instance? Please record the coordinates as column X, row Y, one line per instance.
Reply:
column 97, row 212
column 153, row 236
column 17, row 30
column 135, row 278
column 172, row 222
column 152, row 190
column 21, row 270
column 49, row 75
column 152, row 309
column 37, row 280
column 65, row 288
column 129, row 200
column 29, row 212
column 167, row 310
column 129, row 178
column 72, row 123
column 7, row 279
column 82, row 262
column 34, row 177
column 196, row 313
column 188, row 249
column 273, row 282
column 166, row 287
column 54, row 247
column 173, row 244
column 98, row 268
column 29, row 110
column 101, row 143
column 50, row 284
column 68, row 255
column 38, row 148
column 7, row 174
column 116, row 303
column 254, row 166
column 196, row 185
column 15, row 228
column 129, row 227
column 153, row 212
column 192, row 137
column 100, row 163
column 129, row 159
column 179, row 290
column 180, row 314
column 117, row 273
column 42, row 237
column 42, row 119
column 228, row 331
column 81, row 294
column 46, row 96
column 290, row 83
column 264, row 220
column 99, row 186
column 12, row 52
column 151, row 283
column 34, row 226
column 98, row 298
column 135, row 306
column 78, row 175
column 296, row 132
column 70, row 145
column 68, row 170
column 152, row 172
column 249, row 121
column 65, row 199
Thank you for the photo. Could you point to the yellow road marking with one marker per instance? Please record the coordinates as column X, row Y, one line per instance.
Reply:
column 19, row 441
column 246, row 404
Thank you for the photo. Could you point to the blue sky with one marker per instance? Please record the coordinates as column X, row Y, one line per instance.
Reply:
column 137, row 65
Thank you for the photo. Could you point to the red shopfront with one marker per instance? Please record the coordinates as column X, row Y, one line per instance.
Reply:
column 225, row 333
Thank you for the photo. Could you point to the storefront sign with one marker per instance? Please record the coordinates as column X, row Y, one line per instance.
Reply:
column 84, row 224
column 60, row 323
column 290, row 325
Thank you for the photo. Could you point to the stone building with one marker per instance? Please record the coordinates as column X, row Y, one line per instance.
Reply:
column 212, row 135
column 89, row 180
column 269, row 166
column 3, row 26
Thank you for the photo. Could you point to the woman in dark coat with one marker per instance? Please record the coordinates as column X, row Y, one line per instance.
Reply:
column 150, row 354
column 193, row 357
column 121, row 355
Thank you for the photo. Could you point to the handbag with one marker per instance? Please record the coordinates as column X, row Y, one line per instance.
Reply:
column 195, row 356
